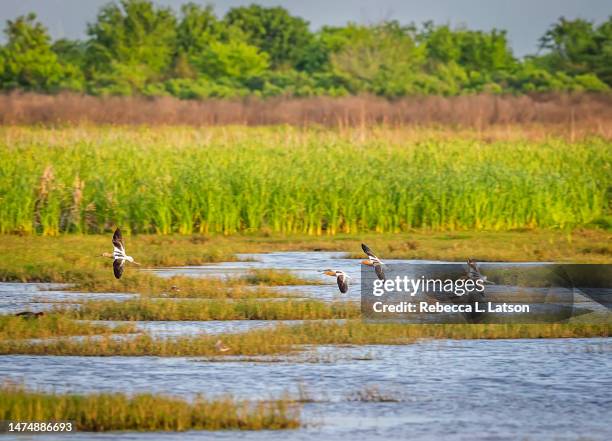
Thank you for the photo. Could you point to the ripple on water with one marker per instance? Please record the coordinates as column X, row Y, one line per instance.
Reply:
column 480, row 389
column 191, row 328
column 16, row 297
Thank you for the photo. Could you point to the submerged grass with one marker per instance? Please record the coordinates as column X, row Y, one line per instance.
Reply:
column 146, row 412
column 246, row 309
column 53, row 325
column 286, row 339
column 298, row 181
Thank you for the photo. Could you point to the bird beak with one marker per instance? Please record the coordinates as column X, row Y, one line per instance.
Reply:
column 329, row 273
column 136, row 263
column 367, row 262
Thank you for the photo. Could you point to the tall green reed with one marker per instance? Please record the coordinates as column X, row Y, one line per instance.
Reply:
column 284, row 180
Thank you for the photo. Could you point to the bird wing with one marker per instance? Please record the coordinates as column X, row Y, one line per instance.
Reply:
column 366, row 249
column 474, row 271
column 118, row 267
column 342, row 283
column 118, row 241
column 379, row 271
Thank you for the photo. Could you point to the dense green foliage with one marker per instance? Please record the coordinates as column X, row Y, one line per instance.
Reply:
column 135, row 47
column 292, row 181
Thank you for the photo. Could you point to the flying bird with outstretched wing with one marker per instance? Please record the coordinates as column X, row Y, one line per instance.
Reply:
column 473, row 272
column 373, row 261
column 341, row 277
column 119, row 257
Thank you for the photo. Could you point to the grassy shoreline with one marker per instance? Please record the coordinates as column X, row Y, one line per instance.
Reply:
column 284, row 339
column 74, row 258
column 203, row 310
column 54, row 325
column 101, row 412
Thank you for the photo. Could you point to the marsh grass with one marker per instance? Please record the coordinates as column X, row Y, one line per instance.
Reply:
column 293, row 181
column 74, row 258
column 284, row 339
column 150, row 285
column 272, row 277
column 54, row 325
column 146, row 412
column 194, row 310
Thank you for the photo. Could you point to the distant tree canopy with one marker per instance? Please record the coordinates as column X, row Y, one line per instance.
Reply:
column 136, row 47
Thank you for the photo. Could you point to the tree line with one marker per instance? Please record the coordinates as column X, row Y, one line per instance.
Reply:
column 137, row 48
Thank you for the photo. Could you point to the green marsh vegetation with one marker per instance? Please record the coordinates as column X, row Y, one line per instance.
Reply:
column 290, row 181
column 53, row 325
column 146, row 412
column 194, row 309
column 285, row 339
column 272, row 277
column 187, row 196
column 73, row 258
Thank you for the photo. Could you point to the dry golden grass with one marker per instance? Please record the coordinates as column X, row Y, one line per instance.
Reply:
column 553, row 114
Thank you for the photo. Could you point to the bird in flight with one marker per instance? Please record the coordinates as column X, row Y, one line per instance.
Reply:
column 119, row 257
column 341, row 277
column 374, row 261
column 473, row 272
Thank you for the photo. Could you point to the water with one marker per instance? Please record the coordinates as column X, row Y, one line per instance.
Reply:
column 550, row 389
column 307, row 265
column 190, row 328
column 17, row 297
column 483, row 389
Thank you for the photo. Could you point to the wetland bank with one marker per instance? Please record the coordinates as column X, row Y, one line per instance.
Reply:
column 234, row 225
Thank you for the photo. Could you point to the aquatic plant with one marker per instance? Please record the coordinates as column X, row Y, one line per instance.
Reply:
column 194, row 309
column 53, row 325
column 284, row 339
column 272, row 277
column 146, row 412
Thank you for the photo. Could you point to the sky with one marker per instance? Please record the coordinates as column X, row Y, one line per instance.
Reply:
column 525, row 20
